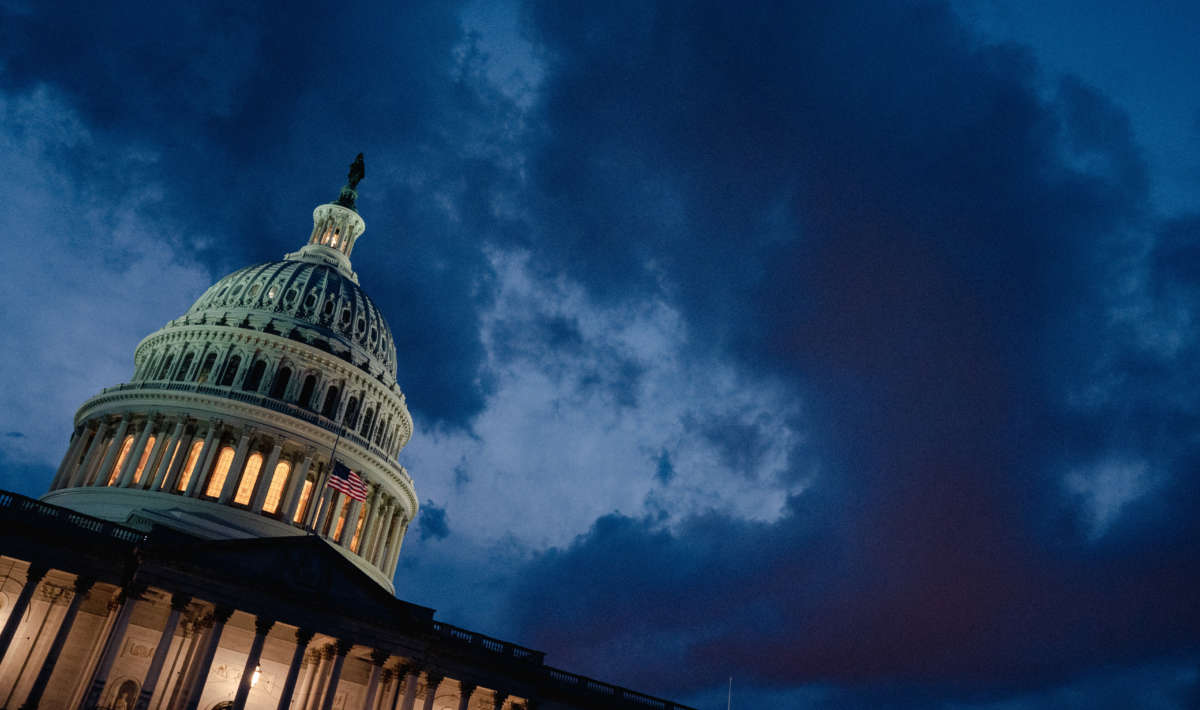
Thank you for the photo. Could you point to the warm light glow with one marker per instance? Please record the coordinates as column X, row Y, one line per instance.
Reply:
column 220, row 471
column 189, row 466
column 137, row 474
column 249, row 478
column 362, row 516
column 275, row 492
column 305, row 494
column 116, row 469
column 257, row 674
column 341, row 523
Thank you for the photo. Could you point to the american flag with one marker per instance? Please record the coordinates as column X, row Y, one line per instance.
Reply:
column 341, row 478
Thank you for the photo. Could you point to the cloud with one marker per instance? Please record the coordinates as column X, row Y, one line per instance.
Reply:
column 433, row 522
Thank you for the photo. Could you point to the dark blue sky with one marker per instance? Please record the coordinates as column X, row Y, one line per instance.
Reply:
column 845, row 349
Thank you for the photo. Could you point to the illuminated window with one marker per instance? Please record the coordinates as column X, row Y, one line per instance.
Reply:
column 275, row 492
column 249, row 478
column 137, row 474
column 220, row 471
column 305, row 494
column 116, row 469
column 189, row 466
column 341, row 523
column 362, row 516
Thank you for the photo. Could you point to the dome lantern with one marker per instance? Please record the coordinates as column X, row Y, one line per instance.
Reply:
column 336, row 227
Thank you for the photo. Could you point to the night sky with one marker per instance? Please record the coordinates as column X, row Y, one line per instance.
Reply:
column 851, row 350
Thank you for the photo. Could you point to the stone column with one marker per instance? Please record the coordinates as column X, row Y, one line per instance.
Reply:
column 126, row 598
column 179, row 602
column 329, row 517
column 125, row 478
column 235, row 468
column 110, row 457
column 389, row 684
column 32, row 577
column 352, row 513
column 94, row 453
column 83, row 585
column 148, row 473
column 312, row 687
column 295, row 488
column 432, row 681
column 382, row 529
column 411, row 675
column 364, row 540
column 261, row 627
column 65, row 468
column 265, row 476
column 378, row 658
column 178, row 461
column 220, row 615
column 303, row 636
column 498, row 699
column 464, row 694
column 341, row 648
column 320, row 493
column 388, row 560
column 170, row 447
column 204, row 460
column 187, row 674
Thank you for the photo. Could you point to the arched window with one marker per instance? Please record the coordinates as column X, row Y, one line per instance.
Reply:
column 254, row 378
column 351, row 417
column 362, row 516
column 141, row 466
column 331, row 402
column 305, row 495
column 165, row 367
column 275, row 492
column 366, row 427
column 383, row 425
column 279, row 386
column 185, row 366
column 217, row 481
column 206, row 367
column 245, row 487
column 116, row 469
column 306, row 392
column 230, row 372
column 189, row 466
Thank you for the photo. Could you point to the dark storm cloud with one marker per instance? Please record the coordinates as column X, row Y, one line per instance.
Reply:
column 433, row 522
column 246, row 108
column 927, row 241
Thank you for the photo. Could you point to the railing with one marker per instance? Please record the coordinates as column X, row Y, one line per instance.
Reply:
column 591, row 685
column 257, row 400
column 495, row 645
column 18, row 502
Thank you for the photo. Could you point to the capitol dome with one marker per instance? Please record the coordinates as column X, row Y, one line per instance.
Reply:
column 238, row 409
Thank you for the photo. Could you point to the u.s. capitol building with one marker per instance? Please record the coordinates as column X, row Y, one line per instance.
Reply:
column 198, row 548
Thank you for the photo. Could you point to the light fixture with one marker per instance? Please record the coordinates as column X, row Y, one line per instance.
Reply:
column 257, row 674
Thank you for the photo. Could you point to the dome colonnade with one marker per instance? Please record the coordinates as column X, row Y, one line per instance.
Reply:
column 229, row 424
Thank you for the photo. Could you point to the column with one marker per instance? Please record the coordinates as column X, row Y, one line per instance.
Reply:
column 351, row 523
column 135, row 454
column 374, row 500
column 235, row 469
column 110, row 457
column 81, row 475
column 83, row 585
column 395, row 552
column 263, row 484
column 170, row 446
column 65, row 469
column 388, row 560
column 179, row 602
column 411, row 675
column 126, row 598
column 330, row 514
column 204, row 460
column 318, row 659
column 295, row 488
column 320, row 492
column 378, row 658
column 179, row 459
column 432, row 681
column 187, row 674
column 464, row 694
column 303, row 636
column 261, row 627
column 220, row 615
column 498, row 699
column 383, row 528
column 391, row 687
column 341, row 648
column 32, row 577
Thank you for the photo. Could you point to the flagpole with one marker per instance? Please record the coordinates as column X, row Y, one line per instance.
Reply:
column 332, row 463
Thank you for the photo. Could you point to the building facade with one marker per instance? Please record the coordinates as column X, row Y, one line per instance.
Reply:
column 193, row 552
